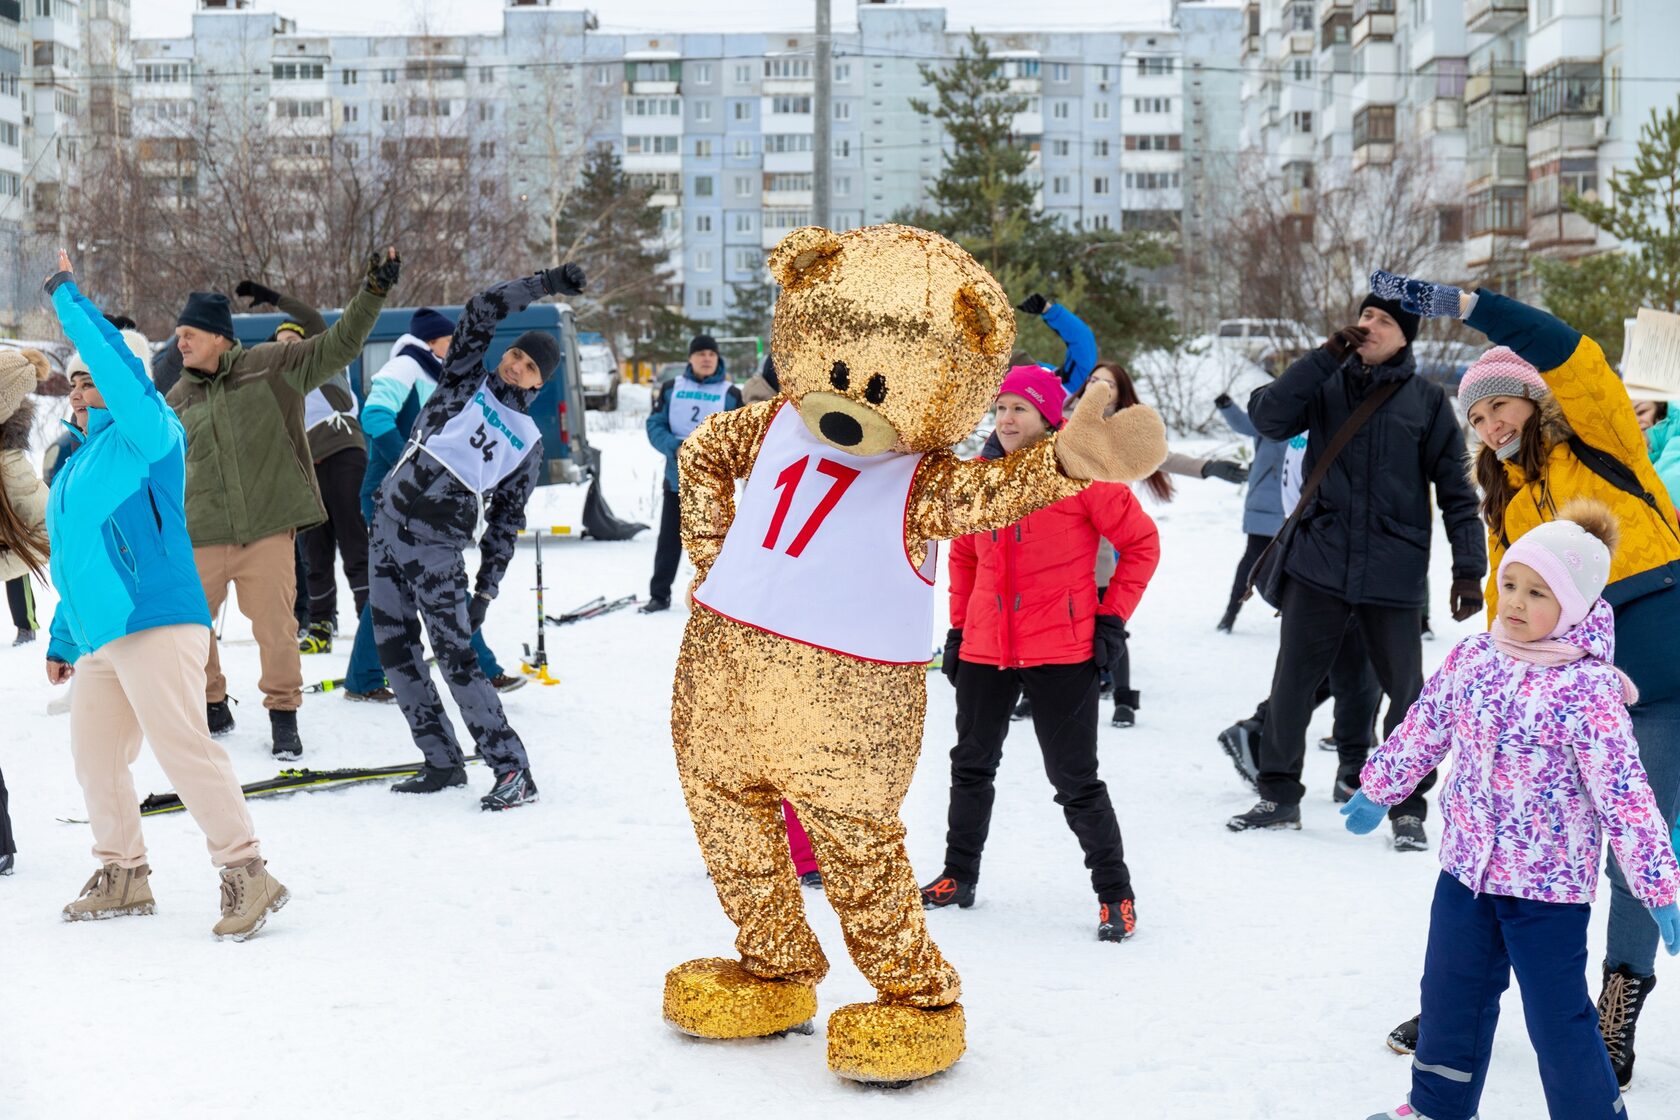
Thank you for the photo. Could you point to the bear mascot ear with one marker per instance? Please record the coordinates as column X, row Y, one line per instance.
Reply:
column 804, row 256
column 983, row 313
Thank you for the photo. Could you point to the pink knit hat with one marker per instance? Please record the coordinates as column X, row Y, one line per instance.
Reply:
column 1574, row 563
column 1040, row 387
column 1500, row 373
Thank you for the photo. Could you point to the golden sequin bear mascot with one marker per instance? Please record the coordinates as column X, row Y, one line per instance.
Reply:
column 803, row 668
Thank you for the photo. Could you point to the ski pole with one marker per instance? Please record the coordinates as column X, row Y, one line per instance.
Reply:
column 538, row 666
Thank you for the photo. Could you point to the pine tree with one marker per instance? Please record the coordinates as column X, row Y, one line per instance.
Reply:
column 1644, row 209
column 1595, row 295
column 750, row 310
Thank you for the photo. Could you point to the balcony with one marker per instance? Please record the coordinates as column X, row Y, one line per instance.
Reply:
column 1373, row 153
column 1493, row 16
column 1496, row 78
column 1442, row 115
column 1330, row 9
column 1373, row 19
column 1499, row 166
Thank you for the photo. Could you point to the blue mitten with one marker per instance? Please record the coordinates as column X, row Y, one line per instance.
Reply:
column 1668, row 922
column 1363, row 815
column 1420, row 297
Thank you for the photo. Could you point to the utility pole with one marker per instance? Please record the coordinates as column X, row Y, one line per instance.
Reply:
column 822, row 140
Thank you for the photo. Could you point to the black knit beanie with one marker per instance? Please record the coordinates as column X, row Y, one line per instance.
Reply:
column 541, row 348
column 208, row 311
column 1407, row 322
column 702, row 342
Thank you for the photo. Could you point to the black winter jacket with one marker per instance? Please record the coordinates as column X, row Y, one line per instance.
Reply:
column 426, row 499
column 1364, row 537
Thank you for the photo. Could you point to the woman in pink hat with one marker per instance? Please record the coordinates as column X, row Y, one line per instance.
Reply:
column 1025, row 616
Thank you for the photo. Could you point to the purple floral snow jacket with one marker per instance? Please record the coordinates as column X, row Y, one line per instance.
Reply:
column 1542, row 758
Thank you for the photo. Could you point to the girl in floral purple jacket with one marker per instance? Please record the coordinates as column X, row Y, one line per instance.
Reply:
column 1535, row 715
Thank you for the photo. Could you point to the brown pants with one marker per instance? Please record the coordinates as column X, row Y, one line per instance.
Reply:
column 150, row 684
column 264, row 574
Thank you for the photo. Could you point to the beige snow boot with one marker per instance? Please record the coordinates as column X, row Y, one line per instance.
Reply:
column 249, row 895
column 113, row 892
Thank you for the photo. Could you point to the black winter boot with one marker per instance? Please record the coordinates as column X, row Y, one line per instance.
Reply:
column 1619, row 1005
column 1117, row 921
column 1403, row 1039
column 1229, row 619
column 513, row 788
column 1241, row 744
column 283, row 727
column 432, row 779
column 946, row 891
column 317, row 637
column 220, row 717
column 1266, row 814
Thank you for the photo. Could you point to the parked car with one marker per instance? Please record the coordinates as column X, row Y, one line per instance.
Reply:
column 1261, row 338
column 598, row 374
column 669, row 371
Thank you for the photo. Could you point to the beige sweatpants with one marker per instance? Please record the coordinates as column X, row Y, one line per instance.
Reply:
column 264, row 573
column 151, row 684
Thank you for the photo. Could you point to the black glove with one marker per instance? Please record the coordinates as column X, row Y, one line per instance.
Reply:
column 1223, row 400
column 1109, row 639
column 256, row 293
column 567, row 280
column 476, row 610
column 1228, row 469
column 1466, row 598
column 382, row 272
column 1345, row 341
column 1034, row 304
column 953, row 646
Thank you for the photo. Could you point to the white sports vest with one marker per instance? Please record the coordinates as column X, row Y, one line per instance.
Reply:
column 816, row 551
column 484, row 442
column 691, row 402
column 317, row 410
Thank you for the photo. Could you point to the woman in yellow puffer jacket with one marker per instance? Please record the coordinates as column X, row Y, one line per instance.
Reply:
column 1554, row 423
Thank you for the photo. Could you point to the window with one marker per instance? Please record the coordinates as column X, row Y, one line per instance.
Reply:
column 702, row 186
column 1154, row 67
column 842, row 185
column 387, row 111
column 430, row 106
column 700, row 73
column 787, row 69
column 349, row 77
column 652, row 145
column 1449, row 224
column 1059, row 184
column 1301, row 121
column 790, row 104
column 743, row 74
column 703, row 111
column 1023, row 68
column 1151, row 104
column 486, row 74
column 671, row 220
column 1301, row 70
column 703, row 149
column 1497, row 210
column 487, row 149
column 10, row 136
column 777, row 143
column 702, row 223
column 1337, row 29
column 1099, row 185
column 652, row 106
column 748, row 260
column 778, row 218
column 743, row 222
column 1059, row 110
column 842, row 110
column 298, row 110
column 789, row 181
column 486, row 110
column 1573, row 88
column 387, row 77
column 743, row 147
column 702, row 297
column 352, row 113
column 741, row 110
column 743, row 186
column 1059, row 147
column 842, row 71
column 704, row 260
column 1299, row 15
column 603, row 75
column 657, row 182
column 151, row 72
column 1099, row 148
column 1058, row 71
column 842, row 149
column 1373, row 124
column 1152, row 180
column 299, row 71
column 1164, row 142
column 1553, row 183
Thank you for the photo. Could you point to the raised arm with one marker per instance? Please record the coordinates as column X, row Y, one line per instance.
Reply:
column 719, row 452
column 309, row 364
column 1081, row 343
column 1281, row 409
column 137, row 408
column 484, row 313
column 302, row 313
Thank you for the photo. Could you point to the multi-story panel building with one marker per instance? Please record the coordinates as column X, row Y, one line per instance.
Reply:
column 720, row 125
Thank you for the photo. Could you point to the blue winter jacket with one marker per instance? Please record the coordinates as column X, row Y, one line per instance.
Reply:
column 1263, row 511
column 1081, row 343
column 659, row 431
column 121, row 558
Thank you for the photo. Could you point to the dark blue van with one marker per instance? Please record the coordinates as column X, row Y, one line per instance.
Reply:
column 558, row 409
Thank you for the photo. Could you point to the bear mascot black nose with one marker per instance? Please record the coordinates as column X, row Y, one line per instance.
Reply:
column 841, row 429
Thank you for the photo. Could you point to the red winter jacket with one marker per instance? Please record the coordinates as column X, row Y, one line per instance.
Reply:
column 1026, row 594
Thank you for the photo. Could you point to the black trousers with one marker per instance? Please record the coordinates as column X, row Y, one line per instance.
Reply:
column 20, row 597
column 1352, row 684
column 344, row 533
column 8, row 846
column 1064, row 707
column 1119, row 666
column 669, row 550
column 1314, row 630
column 1251, row 552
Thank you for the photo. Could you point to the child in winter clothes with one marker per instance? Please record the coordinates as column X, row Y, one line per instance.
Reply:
column 1535, row 713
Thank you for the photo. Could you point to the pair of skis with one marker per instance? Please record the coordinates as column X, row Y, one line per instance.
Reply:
column 286, row 782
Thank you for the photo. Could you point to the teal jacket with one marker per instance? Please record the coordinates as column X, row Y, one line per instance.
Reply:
column 121, row 558
column 1664, row 442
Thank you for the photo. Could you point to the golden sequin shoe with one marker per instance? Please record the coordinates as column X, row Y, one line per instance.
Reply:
column 891, row 1043
column 717, row 998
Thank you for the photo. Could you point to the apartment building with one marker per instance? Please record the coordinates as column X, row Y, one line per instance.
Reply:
column 720, row 124
column 1510, row 104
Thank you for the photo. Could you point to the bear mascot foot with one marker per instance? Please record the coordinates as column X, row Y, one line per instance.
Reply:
column 893, row 1044
column 717, row 998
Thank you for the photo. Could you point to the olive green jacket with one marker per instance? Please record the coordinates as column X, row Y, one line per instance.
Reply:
column 250, row 473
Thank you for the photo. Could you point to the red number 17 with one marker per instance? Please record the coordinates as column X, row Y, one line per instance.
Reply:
column 788, row 481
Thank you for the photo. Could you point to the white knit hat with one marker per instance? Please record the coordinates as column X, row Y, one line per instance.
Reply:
column 19, row 371
column 1574, row 563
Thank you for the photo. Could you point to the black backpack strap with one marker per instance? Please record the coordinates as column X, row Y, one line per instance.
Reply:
column 1617, row 474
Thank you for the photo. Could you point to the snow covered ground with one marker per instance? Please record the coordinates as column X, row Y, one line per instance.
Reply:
column 437, row 962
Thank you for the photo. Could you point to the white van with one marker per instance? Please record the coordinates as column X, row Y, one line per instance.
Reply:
column 1259, row 339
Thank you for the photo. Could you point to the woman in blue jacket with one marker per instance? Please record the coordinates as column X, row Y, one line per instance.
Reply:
column 1263, row 510
column 133, row 625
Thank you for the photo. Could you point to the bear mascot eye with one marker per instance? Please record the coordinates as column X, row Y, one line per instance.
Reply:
column 840, row 377
column 876, row 391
